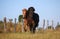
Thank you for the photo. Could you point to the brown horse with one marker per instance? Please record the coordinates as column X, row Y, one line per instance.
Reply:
column 32, row 19
column 26, row 28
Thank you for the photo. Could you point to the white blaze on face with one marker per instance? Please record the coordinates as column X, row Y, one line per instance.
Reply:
column 24, row 12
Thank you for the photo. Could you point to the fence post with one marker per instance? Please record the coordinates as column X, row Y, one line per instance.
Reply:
column 43, row 24
column 43, row 27
column 22, row 25
column 4, row 24
column 15, row 25
column 10, row 26
column 47, row 23
column 52, row 25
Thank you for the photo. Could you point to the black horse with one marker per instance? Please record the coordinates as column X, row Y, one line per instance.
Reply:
column 32, row 19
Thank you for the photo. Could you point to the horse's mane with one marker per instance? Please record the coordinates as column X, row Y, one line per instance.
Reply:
column 27, row 14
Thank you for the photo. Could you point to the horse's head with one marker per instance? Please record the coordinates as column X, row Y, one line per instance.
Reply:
column 31, row 11
column 24, row 11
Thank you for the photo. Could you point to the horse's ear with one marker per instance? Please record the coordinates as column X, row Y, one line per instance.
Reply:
column 31, row 8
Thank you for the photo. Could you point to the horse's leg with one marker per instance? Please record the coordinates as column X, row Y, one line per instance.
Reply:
column 25, row 25
column 31, row 28
column 34, row 28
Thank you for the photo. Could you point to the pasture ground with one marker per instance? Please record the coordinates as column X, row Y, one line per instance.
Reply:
column 28, row 35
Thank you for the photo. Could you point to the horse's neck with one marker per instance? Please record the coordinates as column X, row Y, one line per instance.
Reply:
column 30, row 16
column 24, row 16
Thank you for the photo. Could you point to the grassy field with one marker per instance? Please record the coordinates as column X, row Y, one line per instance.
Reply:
column 27, row 35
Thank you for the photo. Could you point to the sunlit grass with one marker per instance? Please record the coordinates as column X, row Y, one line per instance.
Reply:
column 28, row 35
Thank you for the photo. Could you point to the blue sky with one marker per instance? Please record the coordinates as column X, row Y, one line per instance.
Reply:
column 47, row 9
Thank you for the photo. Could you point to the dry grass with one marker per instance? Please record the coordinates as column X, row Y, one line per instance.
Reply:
column 27, row 35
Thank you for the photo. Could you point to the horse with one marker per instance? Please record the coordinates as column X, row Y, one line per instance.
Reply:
column 26, row 28
column 32, row 19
